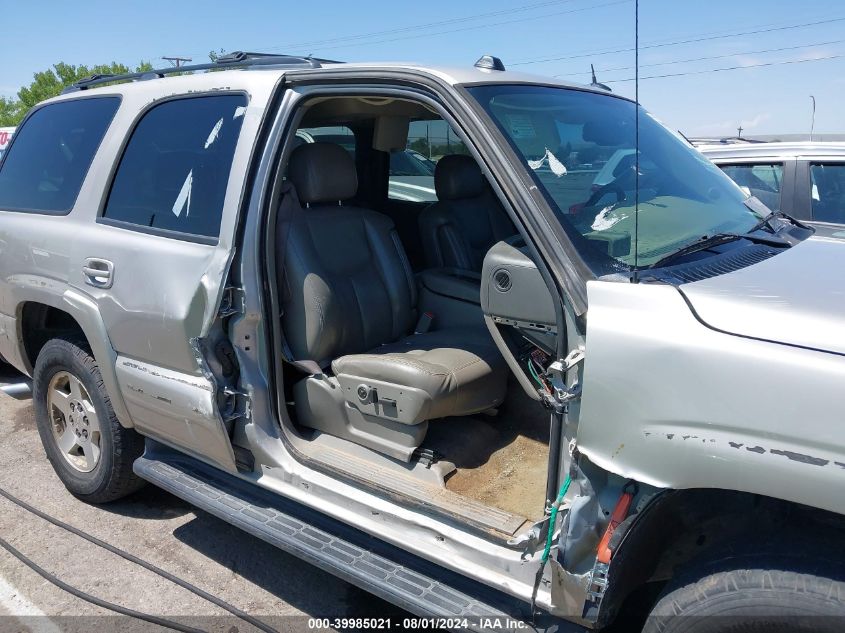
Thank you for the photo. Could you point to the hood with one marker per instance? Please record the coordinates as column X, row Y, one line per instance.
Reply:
column 796, row 297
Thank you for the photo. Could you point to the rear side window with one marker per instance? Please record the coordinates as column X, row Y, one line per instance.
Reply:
column 412, row 169
column 828, row 192
column 51, row 153
column 175, row 168
column 337, row 134
column 763, row 180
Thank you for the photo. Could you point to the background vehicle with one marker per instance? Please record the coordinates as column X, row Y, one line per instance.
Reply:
column 411, row 173
column 508, row 402
column 5, row 138
column 803, row 179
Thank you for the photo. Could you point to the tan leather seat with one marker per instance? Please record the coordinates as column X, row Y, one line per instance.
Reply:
column 459, row 229
column 351, row 307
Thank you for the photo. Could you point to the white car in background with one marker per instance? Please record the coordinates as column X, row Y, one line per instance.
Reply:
column 5, row 138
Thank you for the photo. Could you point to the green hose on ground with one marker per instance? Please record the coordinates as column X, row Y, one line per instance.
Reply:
column 553, row 518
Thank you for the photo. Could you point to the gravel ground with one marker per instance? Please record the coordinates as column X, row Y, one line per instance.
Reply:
column 155, row 526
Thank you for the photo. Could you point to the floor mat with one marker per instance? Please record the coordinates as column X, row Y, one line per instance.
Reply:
column 501, row 460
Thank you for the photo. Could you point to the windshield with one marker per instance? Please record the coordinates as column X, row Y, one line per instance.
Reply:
column 580, row 148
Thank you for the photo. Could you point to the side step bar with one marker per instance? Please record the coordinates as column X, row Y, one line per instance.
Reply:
column 18, row 390
column 394, row 575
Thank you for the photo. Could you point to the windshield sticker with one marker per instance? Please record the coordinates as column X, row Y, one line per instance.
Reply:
column 239, row 111
column 754, row 204
column 603, row 222
column 557, row 167
column 521, row 126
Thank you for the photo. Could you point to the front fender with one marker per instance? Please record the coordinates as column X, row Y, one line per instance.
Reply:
column 672, row 403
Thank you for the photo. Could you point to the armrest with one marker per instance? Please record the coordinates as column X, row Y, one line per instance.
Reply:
column 453, row 282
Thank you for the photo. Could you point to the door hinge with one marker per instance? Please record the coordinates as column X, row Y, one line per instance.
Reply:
column 530, row 540
column 562, row 394
column 235, row 404
column 232, row 302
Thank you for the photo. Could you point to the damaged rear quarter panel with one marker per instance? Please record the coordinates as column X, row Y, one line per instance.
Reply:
column 672, row 403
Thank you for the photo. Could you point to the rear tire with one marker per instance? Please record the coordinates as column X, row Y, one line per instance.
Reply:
column 88, row 448
column 763, row 595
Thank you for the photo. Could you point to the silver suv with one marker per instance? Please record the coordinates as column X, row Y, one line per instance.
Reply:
column 803, row 179
column 541, row 396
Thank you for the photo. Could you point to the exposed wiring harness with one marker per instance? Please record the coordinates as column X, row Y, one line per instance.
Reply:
column 544, row 558
column 127, row 556
column 537, row 377
column 553, row 518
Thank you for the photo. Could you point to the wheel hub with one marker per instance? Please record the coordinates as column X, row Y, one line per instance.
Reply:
column 76, row 428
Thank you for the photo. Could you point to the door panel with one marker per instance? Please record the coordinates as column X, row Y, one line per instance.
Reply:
column 182, row 406
column 157, row 259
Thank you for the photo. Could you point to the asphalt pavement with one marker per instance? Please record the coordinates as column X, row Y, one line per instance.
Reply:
column 158, row 527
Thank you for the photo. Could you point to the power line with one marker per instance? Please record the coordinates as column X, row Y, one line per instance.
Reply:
column 717, row 70
column 177, row 61
column 484, row 26
column 710, row 57
column 479, row 16
column 679, row 42
column 405, row 29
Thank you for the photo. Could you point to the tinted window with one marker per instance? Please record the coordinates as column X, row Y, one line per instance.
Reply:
column 763, row 181
column 51, row 154
column 337, row 134
column 412, row 169
column 828, row 192
column 175, row 169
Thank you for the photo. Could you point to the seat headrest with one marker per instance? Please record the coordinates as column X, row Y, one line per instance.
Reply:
column 322, row 172
column 456, row 177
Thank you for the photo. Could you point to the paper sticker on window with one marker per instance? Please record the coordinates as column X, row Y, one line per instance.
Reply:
column 212, row 136
column 521, row 126
column 183, row 200
column 557, row 167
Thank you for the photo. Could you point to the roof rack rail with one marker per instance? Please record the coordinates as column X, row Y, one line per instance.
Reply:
column 724, row 140
column 235, row 59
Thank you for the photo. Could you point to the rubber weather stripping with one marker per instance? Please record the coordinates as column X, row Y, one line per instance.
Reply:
column 263, row 626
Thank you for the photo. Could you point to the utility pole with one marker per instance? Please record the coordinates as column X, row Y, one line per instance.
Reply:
column 813, row 119
column 739, row 131
column 178, row 61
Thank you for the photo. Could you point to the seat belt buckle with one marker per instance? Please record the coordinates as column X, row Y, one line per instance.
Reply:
column 424, row 323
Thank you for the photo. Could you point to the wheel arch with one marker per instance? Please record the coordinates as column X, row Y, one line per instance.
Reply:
column 681, row 529
column 43, row 316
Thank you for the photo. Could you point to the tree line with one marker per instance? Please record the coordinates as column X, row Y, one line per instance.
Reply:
column 51, row 82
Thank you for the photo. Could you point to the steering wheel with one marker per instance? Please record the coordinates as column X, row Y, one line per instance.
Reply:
column 598, row 194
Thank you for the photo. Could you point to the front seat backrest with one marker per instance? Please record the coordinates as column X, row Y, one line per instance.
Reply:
column 459, row 229
column 349, row 286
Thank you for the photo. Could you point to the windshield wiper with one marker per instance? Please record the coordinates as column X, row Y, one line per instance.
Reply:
column 766, row 221
column 717, row 239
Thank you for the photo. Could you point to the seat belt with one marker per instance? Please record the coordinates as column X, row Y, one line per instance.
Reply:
column 288, row 206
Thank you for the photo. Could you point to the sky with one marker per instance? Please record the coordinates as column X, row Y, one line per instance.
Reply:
column 775, row 53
